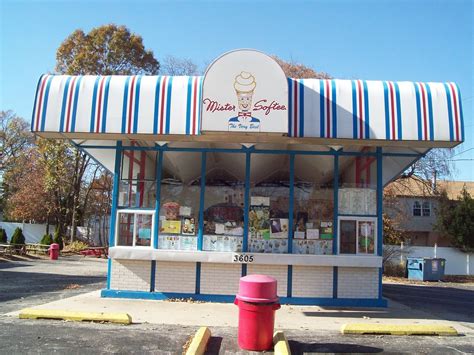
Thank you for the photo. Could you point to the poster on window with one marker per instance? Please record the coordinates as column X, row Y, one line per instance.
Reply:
column 357, row 201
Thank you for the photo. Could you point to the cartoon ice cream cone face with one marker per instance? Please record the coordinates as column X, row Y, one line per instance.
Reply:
column 244, row 86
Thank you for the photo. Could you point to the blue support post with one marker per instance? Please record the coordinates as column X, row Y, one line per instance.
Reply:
column 201, row 201
column 335, row 222
column 246, row 202
column 379, row 212
column 159, row 166
column 113, row 211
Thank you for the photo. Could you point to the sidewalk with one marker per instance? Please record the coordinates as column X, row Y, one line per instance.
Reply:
column 307, row 318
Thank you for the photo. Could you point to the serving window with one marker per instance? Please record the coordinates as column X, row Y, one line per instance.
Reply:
column 135, row 228
column 357, row 235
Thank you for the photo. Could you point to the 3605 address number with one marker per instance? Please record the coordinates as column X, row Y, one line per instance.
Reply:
column 242, row 258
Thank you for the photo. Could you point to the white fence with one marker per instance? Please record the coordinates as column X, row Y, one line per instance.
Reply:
column 457, row 262
column 32, row 232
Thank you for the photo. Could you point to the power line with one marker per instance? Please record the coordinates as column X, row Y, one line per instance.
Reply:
column 464, row 151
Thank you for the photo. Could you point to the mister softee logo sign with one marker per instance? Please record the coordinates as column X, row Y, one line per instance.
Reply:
column 245, row 91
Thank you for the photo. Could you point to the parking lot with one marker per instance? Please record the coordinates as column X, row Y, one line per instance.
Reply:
column 30, row 283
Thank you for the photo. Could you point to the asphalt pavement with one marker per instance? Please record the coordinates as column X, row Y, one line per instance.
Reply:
column 449, row 302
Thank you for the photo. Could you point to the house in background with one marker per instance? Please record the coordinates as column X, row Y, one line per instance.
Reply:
column 412, row 203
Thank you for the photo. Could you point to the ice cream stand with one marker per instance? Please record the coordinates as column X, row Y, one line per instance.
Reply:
column 245, row 171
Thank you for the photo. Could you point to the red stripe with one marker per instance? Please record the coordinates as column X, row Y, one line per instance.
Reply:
column 100, row 105
column 455, row 104
column 425, row 130
column 40, row 101
column 361, row 122
column 130, row 105
column 328, row 120
column 194, row 105
column 392, row 103
column 295, row 102
column 69, row 103
column 163, row 85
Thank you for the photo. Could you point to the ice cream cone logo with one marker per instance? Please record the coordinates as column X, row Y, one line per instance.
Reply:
column 244, row 85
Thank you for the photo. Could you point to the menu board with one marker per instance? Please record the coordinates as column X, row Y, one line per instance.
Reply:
column 357, row 201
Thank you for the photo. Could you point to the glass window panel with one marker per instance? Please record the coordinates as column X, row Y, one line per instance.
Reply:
column 144, row 230
column 179, row 205
column 269, row 203
column 366, row 237
column 313, row 205
column 426, row 209
column 358, row 184
column 416, row 208
column 125, row 231
column 348, row 233
column 224, row 202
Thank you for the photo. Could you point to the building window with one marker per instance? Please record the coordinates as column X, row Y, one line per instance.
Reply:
column 135, row 228
column 417, row 208
column 426, row 209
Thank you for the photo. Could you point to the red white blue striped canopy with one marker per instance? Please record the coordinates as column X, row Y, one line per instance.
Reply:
column 328, row 109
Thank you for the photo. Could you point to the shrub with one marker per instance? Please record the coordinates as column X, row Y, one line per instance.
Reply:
column 76, row 246
column 3, row 236
column 58, row 239
column 18, row 237
column 396, row 270
column 47, row 239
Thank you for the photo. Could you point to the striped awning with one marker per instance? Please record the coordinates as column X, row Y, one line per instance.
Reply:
column 329, row 109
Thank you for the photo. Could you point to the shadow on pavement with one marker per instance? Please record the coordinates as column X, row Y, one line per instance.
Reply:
column 8, row 265
column 16, row 285
column 213, row 346
column 297, row 347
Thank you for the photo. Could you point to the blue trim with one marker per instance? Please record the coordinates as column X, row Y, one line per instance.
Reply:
column 45, row 103
column 137, row 99
column 32, row 128
column 399, row 112
column 246, row 202
column 201, row 202
column 387, row 111
column 106, row 102
column 168, row 104
column 356, row 215
column 152, row 275
column 63, row 106
column 335, row 203
column 366, row 110
column 125, row 104
column 109, row 272
column 321, row 110
column 335, row 278
column 188, row 105
column 157, row 105
column 94, row 103
column 74, row 108
column 289, row 281
column 379, row 202
column 291, row 211
column 430, row 112
column 450, row 112
column 461, row 115
column 354, row 110
column 159, row 168
column 115, row 192
column 340, row 302
column 244, row 270
column 418, row 112
column 301, row 108
column 198, row 278
column 334, row 109
column 290, row 107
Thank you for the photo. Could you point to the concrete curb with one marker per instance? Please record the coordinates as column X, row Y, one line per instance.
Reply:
column 120, row 318
column 199, row 342
column 390, row 329
column 281, row 346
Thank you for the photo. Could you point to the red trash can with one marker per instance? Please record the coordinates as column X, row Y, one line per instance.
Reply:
column 53, row 251
column 257, row 301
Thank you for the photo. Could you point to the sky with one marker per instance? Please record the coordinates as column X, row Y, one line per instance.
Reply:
column 372, row 40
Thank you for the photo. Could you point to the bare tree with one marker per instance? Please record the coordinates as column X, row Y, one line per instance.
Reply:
column 175, row 66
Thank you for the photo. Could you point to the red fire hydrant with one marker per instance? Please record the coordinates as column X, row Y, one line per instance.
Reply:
column 53, row 251
column 257, row 301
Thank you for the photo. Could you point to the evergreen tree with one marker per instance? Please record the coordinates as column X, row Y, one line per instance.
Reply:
column 3, row 236
column 47, row 239
column 18, row 238
column 58, row 239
